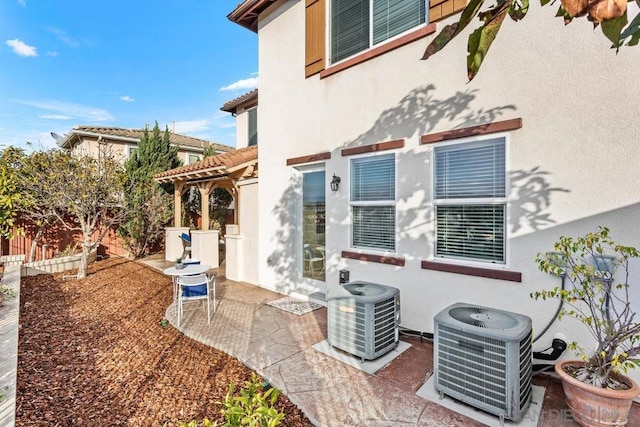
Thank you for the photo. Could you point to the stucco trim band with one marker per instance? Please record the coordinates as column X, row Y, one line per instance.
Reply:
column 372, row 148
column 512, row 276
column 308, row 159
column 374, row 258
column 502, row 126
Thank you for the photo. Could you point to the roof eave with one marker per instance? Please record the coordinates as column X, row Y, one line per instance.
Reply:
column 246, row 13
column 243, row 101
column 183, row 175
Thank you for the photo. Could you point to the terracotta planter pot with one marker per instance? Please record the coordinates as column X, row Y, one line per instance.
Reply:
column 595, row 406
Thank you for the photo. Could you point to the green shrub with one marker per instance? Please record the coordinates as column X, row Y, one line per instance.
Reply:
column 253, row 407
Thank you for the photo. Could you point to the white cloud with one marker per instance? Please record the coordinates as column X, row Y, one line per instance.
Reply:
column 127, row 98
column 55, row 116
column 22, row 2
column 63, row 36
column 244, row 84
column 190, row 126
column 50, row 53
column 76, row 111
column 20, row 48
column 219, row 128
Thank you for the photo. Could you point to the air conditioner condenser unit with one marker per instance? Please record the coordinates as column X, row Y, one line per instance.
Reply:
column 483, row 357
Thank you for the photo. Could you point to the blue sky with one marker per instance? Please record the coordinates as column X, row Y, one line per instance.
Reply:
column 121, row 63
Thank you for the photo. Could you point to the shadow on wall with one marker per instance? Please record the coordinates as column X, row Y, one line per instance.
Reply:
column 530, row 199
column 418, row 113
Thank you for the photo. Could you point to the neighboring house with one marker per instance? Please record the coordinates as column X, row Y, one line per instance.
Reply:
column 448, row 189
column 86, row 139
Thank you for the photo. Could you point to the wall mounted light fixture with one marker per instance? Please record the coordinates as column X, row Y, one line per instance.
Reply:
column 335, row 183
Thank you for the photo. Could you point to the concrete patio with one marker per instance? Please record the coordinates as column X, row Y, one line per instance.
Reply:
column 279, row 346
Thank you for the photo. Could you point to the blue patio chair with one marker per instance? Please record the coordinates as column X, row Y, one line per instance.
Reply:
column 199, row 287
column 186, row 245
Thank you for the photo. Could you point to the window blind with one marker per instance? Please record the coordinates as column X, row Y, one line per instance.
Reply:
column 470, row 231
column 393, row 17
column 374, row 227
column 470, row 171
column 349, row 28
column 373, row 178
column 373, row 197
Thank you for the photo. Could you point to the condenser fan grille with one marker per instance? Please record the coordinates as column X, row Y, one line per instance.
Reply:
column 483, row 317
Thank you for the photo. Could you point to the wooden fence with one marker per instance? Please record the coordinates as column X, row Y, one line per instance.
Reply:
column 57, row 240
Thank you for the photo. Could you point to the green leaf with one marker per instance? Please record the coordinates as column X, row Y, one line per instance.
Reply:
column 544, row 2
column 519, row 9
column 480, row 40
column 633, row 31
column 449, row 32
column 613, row 27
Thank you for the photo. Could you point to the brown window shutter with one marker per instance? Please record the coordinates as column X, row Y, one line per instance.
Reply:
column 440, row 9
column 314, row 36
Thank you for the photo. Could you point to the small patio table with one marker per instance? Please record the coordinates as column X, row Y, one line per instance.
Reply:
column 187, row 270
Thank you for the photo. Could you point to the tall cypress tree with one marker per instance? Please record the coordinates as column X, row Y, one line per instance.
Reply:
column 149, row 203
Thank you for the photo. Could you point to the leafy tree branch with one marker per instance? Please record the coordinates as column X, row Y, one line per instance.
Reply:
column 610, row 15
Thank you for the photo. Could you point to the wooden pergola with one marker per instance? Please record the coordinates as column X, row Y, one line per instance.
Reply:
column 220, row 171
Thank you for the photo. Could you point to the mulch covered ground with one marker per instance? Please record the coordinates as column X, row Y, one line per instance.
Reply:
column 92, row 352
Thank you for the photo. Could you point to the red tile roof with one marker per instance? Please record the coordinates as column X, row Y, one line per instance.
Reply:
column 136, row 134
column 211, row 166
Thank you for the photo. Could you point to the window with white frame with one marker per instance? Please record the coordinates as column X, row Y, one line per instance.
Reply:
column 470, row 199
column 192, row 158
column 373, row 202
column 131, row 151
column 357, row 25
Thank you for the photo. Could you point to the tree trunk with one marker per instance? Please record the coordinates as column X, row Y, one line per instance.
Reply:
column 34, row 243
column 84, row 260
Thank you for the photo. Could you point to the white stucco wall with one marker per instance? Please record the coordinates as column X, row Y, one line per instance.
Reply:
column 242, row 129
column 572, row 166
column 249, row 229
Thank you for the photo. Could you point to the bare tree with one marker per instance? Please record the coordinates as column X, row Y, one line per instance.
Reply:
column 34, row 172
column 83, row 193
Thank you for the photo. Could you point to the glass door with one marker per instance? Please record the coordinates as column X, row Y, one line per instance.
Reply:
column 313, row 225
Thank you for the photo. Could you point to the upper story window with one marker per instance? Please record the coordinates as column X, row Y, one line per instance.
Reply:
column 373, row 202
column 357, row 25
column 470, row 199
column 253, row 126
column 192, row 158
column 131, row 151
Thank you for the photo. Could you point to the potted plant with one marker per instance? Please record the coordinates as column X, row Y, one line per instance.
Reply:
column 597, row 271
column 179, row 264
